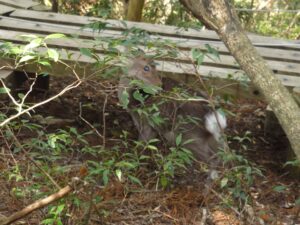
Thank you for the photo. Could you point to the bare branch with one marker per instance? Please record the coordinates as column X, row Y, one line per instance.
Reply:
column 66, row 89
column 37, row 205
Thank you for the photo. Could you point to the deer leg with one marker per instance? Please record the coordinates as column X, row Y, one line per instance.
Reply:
column 146, row 132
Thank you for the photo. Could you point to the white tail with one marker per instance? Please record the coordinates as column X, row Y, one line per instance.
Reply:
column 215, row 122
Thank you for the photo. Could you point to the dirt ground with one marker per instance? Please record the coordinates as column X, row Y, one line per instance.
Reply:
column 184, row 202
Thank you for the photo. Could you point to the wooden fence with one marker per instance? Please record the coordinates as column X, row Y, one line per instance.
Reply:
column 16, row 19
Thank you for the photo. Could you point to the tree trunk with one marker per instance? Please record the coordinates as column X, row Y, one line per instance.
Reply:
column 55, row 6
column 222, row 18
column 135, row 10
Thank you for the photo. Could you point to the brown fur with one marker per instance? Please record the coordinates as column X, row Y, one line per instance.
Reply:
column 204, row 145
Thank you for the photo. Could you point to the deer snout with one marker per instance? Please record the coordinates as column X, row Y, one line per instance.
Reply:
column 155, row 80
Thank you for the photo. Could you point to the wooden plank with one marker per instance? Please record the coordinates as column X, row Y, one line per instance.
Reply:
column 157, row 29
column 268, row 53
column 113, row 24
column 22, row 4
column 172, row 68
column 42, row 8
column 45, row 28
column 232, row 88
column 221, row 73
column 216, row 77
column 5, row 9
column 183, row 56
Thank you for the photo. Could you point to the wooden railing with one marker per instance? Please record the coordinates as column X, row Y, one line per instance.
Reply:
column 282, row 56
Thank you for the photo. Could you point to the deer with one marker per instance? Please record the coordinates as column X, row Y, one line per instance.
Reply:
column 205, row 134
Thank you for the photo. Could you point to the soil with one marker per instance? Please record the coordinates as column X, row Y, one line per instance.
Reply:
column 271, row 197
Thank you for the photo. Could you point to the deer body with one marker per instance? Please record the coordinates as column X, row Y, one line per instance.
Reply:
column 204, row 128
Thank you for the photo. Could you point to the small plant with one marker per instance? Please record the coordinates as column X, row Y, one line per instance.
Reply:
column 292, row 163
column 15, row 174
column 138, row 156
column 239, row 177
column 243, row 140
column 177, row 160
column 55, row 215
column 52, row 146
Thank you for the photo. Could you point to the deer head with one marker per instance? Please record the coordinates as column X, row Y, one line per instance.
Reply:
column 144, row 69
column 141, row 73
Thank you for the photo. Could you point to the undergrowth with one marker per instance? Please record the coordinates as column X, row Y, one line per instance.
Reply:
column 37, row 160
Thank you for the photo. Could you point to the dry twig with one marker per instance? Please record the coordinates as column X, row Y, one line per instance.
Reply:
column 36, row 205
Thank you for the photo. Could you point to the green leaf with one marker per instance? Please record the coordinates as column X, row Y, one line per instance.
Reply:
column 292, row 163
column 16, row 50
column 224, row 182
column 54, row 36
column 169, row 167
column 52, row 142
column 195, row 53
column 188, row 141
column 33, row 44
column 4, row 90
column 198, row 56
column 178, row 139
column 96, row 26
column 53, row 54
column 125, row 99
column 48, row 221
column 200, row 59
column 105, row 177
column 212, row 51
column 135, row 180
column 21, row 95
column 280, row 188
column 154, row 140
column 86, row 52
column 26, row 58
column 119, row 174
column 297, row 202
column 164, row 181
column 144, row 157
column 138, row 96
column 125, row 164
column 60, row 208
column 152, row 147
column 157, row 119
column 151, row 89
column 248, row 170
column 44, row 63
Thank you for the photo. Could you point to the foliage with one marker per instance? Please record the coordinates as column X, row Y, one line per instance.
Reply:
column 29, row 52
column 104, row 8
column 268, row 21
column 171, row 12
column 238, row 179
column 54, row 215
column 127, row 161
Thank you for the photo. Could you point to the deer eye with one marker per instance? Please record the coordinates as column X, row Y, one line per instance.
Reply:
column 146, row 68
